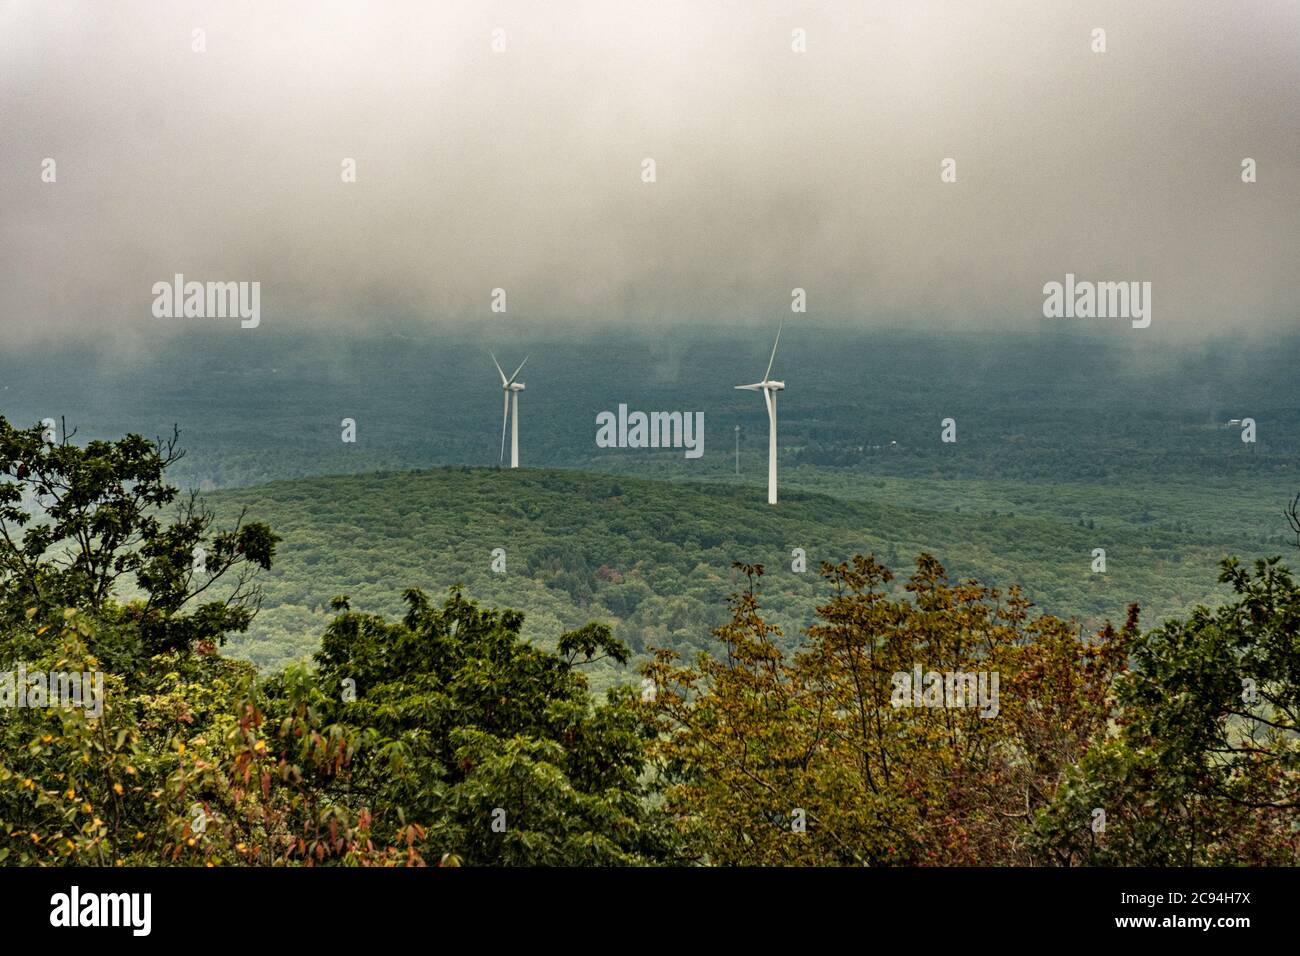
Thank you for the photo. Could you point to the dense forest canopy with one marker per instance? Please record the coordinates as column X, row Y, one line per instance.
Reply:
column 653, row 559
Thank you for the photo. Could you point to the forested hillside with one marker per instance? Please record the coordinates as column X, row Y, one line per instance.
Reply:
column 1065, row 443
column 653, row 559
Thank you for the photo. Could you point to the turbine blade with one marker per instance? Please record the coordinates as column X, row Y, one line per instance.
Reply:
column 505, row 414
column 768, row 373
column 767, row 398
column 518, row 370
column 504, row 383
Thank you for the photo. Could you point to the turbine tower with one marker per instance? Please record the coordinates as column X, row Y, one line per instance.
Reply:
column 510, row 388
column 769, row 388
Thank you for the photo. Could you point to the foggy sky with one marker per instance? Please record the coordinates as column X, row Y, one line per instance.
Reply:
column 521, row 169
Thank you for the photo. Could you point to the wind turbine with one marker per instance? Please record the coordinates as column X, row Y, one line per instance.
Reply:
column 769, row 388
column 509, row 388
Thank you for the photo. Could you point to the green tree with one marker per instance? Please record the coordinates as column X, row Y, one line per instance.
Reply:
column 1205, row 769
column 77, row 523
column 495, row 746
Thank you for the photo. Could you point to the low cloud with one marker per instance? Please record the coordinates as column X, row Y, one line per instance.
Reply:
column 522, row 169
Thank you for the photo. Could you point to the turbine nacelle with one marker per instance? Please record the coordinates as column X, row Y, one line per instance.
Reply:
column 507, row 382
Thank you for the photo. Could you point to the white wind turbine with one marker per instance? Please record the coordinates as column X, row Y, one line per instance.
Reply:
column 769, row 388
column 510, row 387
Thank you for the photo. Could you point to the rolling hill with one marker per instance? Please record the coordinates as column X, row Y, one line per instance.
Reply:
column 653, row 558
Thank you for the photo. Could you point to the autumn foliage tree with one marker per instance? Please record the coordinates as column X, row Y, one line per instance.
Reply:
column 809, row 759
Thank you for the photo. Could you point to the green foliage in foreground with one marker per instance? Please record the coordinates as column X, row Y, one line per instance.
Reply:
column 1205, row 769
column 447, row 737
column 462, row 744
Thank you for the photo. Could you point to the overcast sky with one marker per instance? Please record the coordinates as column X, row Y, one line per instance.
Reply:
column 522, row 169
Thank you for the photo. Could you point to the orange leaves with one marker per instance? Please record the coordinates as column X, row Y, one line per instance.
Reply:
column 749, row 735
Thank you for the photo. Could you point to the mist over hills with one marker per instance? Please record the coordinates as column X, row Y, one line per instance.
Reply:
column 255, row 406
column 1065, row 443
